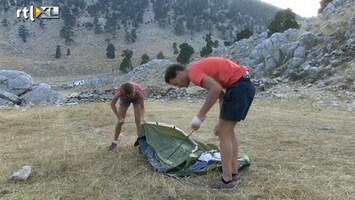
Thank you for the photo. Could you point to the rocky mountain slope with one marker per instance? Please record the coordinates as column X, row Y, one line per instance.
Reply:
column 321, row 52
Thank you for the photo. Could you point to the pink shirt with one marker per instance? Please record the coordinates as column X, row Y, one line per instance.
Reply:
column 223, row 70
column 139, row 92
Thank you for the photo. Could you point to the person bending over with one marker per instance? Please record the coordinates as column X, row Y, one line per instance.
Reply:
column 128, row 93
column 230, row 83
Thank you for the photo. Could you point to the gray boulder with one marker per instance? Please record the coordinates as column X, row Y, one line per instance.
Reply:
column 6, row 97
column 308, row 40
column 15, row 82
column 149, row 73
column 42, row 94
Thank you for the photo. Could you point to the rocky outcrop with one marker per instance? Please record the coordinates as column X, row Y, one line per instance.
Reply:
column 42, row 94
column 153, row 92
column 310, row 55
column 16, row 87
column 150, row 73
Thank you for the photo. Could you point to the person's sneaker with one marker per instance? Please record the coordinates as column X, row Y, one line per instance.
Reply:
column 237, row 178
column 112, row 146
column 228, row 187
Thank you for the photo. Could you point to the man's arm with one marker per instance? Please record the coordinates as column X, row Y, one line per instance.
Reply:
column 214, row 92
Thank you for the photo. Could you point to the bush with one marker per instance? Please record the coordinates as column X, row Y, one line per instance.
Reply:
column 160, row 55
column 110, row 51
column 186, row 52
column 58, row 52
column 246, row 33
column 284, row 19
column 145, row 59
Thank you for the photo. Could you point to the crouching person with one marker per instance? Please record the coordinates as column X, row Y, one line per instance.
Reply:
column 128, row 93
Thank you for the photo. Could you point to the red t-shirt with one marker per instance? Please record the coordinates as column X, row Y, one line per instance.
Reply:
column 139, row 91
column 223, row 70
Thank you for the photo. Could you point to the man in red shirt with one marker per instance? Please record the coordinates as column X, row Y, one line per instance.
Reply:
column 128, row 93
column 230, row 83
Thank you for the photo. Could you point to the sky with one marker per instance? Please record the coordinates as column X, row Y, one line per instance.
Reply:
column 304, row 8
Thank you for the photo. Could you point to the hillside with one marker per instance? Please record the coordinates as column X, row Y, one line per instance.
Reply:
column 87, row 51
column 319, row 56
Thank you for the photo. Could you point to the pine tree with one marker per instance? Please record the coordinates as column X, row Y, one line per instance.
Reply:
column 207, row 50
column 246, row 33
column 110, row 51
column 67, row 33
column 145, row 59
column 284, row 19
column 58, row 52
column 160, row 55
column 127, row 36
column 133, row 35
column 97, row 26
column 23, row 33
column 130, row 36
column 126, row 64
column 111, row 25
column 68, row 17
column 186, row 52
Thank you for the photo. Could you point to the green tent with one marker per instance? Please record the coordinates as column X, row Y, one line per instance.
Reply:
column 171, row 151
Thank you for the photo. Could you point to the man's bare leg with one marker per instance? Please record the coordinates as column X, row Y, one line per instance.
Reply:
column 235, row 163
column 225, row 133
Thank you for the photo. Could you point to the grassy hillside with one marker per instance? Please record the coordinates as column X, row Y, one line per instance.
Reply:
column 297, row 152
column 88, row 54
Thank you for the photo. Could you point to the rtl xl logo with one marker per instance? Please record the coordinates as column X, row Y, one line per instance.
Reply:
column 43, row 12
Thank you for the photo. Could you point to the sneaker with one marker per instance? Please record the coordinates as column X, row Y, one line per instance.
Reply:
column 228, row 187
column 112, row 146
column 237, row 178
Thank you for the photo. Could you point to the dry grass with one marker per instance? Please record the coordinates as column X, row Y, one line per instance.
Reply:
column 297, row 152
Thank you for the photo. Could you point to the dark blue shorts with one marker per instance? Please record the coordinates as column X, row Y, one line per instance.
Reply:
column 126, row 102
column 237, row 100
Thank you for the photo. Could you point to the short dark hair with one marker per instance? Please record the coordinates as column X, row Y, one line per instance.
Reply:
column 128, row 88
column 170, row 72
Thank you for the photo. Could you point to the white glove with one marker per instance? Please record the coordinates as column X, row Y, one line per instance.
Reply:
column 196, row 123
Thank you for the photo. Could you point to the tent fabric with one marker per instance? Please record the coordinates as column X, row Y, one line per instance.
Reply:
column 169, row 150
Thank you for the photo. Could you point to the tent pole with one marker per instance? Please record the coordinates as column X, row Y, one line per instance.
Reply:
column 180, row 144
